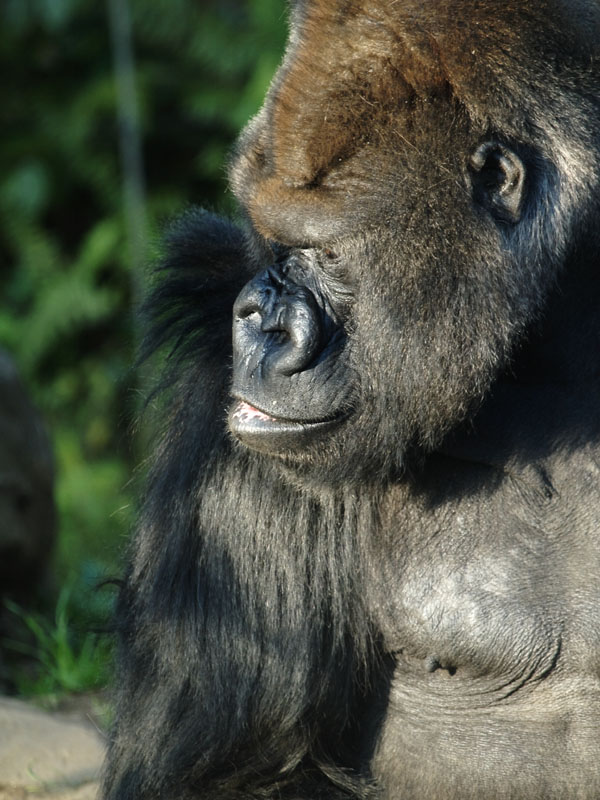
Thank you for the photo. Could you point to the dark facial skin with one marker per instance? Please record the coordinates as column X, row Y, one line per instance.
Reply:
column 288, row 352
column 368, row 562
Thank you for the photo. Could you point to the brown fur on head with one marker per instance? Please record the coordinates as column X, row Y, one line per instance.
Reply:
column 356, row 67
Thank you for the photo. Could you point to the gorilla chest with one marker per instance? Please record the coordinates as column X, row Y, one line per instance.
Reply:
column 480, row 611
column 500, row 587
column 492, row 615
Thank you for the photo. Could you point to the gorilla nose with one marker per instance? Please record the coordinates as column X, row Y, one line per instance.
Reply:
column 279, row 317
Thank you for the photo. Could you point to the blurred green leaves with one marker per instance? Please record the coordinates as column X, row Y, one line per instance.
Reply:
column 69, row 664
column 202, row 68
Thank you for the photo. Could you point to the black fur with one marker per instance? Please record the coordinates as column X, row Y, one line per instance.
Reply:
column 274, row 608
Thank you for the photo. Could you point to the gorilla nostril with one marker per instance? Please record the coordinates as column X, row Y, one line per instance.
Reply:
column 259, row 297
column 246, row 304
column 247, row 311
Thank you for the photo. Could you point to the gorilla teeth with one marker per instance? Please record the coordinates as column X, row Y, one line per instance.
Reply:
column 245, row 412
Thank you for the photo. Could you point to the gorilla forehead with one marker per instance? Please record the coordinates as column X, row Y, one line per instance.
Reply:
column 364, row 59
column 365, row 76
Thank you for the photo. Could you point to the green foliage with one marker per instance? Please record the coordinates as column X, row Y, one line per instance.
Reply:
column 65, row 662
column 65, row 275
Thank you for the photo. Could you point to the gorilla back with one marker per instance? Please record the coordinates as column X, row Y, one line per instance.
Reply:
column 377, row 574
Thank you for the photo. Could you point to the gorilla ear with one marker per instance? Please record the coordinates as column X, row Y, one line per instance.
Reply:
column 498, row 176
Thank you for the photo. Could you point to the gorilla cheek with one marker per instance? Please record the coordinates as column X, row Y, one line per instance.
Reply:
column 288, row 380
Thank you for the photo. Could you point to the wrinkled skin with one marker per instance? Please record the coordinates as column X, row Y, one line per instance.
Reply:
column 377, row 573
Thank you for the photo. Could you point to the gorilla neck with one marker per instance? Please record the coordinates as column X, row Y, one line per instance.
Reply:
column 545, row 402
column 564, row 346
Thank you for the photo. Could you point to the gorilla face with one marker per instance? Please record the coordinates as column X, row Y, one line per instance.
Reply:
column 407, row 216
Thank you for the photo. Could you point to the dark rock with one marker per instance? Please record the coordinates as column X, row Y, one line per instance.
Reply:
column 27, row 511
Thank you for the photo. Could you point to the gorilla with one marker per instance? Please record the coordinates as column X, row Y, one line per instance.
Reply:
column 368, row 559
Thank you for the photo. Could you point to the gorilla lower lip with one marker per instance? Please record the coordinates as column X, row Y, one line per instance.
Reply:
column 261, row 431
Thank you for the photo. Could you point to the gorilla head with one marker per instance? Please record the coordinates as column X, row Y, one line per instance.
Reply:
column 414, row 190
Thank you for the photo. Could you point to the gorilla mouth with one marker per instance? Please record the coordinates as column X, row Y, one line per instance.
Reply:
column 262, row 431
